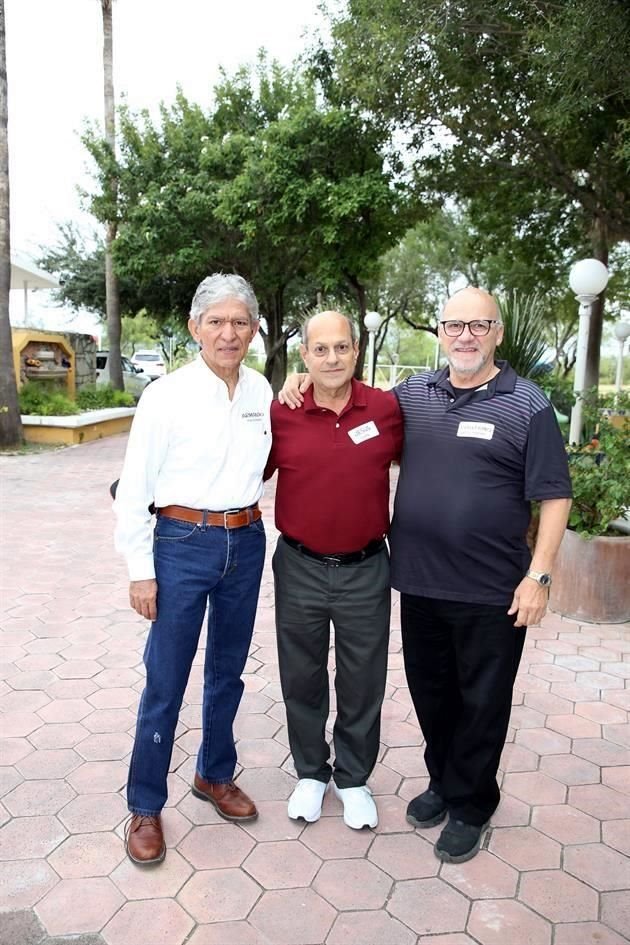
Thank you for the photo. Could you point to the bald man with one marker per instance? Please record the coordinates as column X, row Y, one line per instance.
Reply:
column 331, row 565
column 479, row 444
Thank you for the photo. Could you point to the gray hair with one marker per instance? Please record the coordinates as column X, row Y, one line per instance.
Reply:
column 351, row 326
column 216, row 288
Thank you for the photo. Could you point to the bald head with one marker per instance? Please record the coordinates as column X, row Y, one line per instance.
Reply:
column 471, row 303
column 327, row 320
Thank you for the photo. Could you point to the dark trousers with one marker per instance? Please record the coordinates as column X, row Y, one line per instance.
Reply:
column 461, row 660
column 356, row 598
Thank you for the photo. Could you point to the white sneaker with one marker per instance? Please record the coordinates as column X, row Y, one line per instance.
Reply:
column 306, row 800
column 359, row 810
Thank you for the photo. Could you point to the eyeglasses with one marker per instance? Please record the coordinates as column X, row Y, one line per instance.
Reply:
column 217, row 324
column 480, row 326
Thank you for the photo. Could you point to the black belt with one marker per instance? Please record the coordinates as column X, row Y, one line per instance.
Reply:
column 338, row 560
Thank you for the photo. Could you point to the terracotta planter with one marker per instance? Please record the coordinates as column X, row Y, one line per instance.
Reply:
column 591, row 579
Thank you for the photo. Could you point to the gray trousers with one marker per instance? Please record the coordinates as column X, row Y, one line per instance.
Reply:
column 356, row 598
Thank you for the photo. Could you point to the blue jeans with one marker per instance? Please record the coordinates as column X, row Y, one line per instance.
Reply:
column 195, row 566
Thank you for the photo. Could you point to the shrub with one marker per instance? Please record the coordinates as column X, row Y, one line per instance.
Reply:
column 46, row 403
column 101, row 396
column 599, row 470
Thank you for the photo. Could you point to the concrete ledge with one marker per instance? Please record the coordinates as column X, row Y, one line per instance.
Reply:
column 78, row 428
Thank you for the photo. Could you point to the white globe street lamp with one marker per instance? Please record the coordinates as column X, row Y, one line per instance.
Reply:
column 372, row 322
column 587, row 279
column 622, row 330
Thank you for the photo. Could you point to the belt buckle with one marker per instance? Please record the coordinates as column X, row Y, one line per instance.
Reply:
column 333, row 560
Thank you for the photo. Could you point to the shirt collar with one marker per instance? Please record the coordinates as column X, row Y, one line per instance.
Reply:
column 503, row 383
column 211, row 376
column 358, row 397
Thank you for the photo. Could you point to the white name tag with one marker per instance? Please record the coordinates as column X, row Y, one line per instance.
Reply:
column 481, row 431
column 365, row 432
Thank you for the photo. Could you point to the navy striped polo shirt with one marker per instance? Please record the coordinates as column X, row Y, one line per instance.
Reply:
column 470, row 466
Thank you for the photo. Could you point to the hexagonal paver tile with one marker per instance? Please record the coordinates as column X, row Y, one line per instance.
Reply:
column 16, row 724
column 88, row 854
column 408, row 762
column 534, row 788
column 292, row 917
column 216, row 847
column 14, row 749
column 429, row 906
column 24, row 882
column 616, row 911
column 566, row 824
column 219, row 895
column 64, row 735
column 384, row 780
column 152, row 922
column 255, row 726
column 78, row 905
column 99, row 777
column 392, row 811
column 570, row 769
column 404, row 856
column 558, row 897
column 601, row 752
column 599, row 866
column 600, row 712
column 511, row 812
column 525, row 848
column 161, row 883
column 518, row 758
column 330, row 839
column 227, row 933
column 587, row 933
column 26, row 838
column 20, row 928
column 27, row 701
column 108, row 746
column 54, row 763
column 484, row 877
column 543, row 742
column 94, row 812
column 282, row 865
column 266, row 784
column 377, row 928
column 352, row 884
column 599, row 801
column 46, row 797
column 261, row 753
column 616, row 834
column 120, row 698
column 617, row 778
column 496, row 922
column 101, row 721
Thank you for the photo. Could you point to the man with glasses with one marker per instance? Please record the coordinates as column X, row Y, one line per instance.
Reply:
column 480, row 444
column 197, row 450
column 331, row 564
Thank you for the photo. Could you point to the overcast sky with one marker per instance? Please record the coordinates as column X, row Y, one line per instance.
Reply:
column 55, row 76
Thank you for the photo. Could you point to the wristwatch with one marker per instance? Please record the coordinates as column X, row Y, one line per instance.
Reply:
column 540, row 577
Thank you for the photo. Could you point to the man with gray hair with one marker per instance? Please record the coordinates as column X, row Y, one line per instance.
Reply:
column 197, row 450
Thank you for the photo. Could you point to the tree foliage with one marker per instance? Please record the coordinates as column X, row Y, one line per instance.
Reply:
column 519, row 107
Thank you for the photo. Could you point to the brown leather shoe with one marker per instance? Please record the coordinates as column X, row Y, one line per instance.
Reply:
column 144, row 840
column 230, row 802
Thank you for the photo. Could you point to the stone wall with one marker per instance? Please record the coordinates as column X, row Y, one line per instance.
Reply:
column 84, row 347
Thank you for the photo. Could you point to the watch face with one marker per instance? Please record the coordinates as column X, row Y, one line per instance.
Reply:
column 545, row 580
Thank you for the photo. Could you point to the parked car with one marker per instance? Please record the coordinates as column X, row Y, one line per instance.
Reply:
column 151, row 362
column 134, row 379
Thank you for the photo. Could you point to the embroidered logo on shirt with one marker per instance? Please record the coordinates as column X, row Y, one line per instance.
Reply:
column 480, row 431
column 365, row 432
column 253, row 416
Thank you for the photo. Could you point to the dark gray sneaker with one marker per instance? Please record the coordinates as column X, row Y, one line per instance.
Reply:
column 426, row 810
column 459, row 842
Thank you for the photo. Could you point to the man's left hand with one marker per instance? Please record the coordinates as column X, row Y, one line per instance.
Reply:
column 529, row 603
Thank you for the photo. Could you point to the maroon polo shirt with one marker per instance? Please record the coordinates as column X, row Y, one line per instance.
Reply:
column 332, row 493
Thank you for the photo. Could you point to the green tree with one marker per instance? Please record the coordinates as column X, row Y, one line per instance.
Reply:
column 520, row 108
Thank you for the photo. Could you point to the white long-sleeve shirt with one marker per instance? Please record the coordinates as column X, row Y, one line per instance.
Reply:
column 191, row 445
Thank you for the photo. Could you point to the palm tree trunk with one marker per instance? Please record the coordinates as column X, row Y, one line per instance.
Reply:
column 112, row 293
column 10, row 421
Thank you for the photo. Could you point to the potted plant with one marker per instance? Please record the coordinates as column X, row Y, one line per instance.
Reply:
column 591, row 575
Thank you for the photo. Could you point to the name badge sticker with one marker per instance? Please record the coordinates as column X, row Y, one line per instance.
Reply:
column 479, row 431
column 365, row 432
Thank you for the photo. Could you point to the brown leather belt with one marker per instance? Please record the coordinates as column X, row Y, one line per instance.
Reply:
column 232, row 518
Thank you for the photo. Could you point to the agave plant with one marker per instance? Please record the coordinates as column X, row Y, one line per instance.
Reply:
column 524, row 333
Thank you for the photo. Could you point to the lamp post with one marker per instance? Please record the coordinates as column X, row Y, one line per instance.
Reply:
column 372, row 322
column 622, row 330
column 587, row 279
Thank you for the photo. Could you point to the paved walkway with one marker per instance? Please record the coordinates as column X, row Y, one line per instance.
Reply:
column 555, row 867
